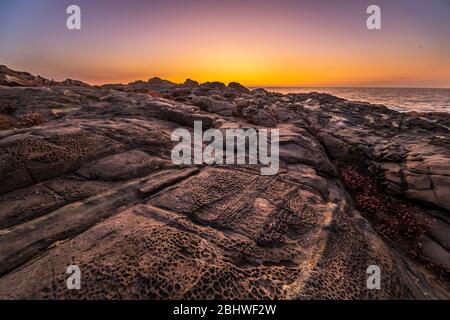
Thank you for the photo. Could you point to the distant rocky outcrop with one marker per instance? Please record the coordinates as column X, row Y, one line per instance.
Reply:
column 191, row 83
column 93, row 185
column 238, row 87
column 13, row 78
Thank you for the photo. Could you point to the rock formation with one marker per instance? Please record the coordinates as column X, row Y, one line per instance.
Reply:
column 90, row 182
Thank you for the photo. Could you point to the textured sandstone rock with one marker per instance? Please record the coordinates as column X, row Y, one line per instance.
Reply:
column 122, row 166
column 26, row 204
column 94, row 186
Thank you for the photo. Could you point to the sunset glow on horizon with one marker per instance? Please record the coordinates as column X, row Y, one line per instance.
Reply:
column 257, row 43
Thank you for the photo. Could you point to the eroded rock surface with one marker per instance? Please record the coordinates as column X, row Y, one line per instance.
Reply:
column 94, row 185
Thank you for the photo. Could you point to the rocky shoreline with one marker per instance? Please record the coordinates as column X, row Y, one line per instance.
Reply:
column 86, row 178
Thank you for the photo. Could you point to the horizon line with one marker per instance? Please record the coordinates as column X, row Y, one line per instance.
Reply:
column 344, row 86
column 271, row 86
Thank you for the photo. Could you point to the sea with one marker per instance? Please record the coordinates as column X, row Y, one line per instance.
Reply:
column 400, row 99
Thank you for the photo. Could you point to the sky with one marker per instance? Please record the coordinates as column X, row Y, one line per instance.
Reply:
column 255, row 42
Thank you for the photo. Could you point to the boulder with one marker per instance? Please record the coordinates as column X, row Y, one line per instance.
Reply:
column 238, row 87
column 223, row 108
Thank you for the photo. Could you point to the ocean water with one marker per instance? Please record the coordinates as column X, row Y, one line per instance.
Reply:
column 400, row 99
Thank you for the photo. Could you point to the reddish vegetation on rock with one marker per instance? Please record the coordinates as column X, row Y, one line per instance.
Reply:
column 393, row 218
column 31, row 118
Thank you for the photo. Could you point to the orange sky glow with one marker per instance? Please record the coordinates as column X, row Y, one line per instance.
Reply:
column 264, row 43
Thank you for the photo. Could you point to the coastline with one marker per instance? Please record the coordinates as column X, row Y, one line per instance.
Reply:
column 419, row 99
